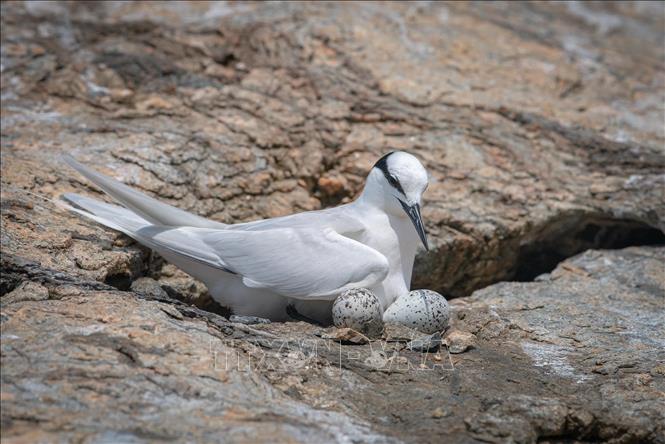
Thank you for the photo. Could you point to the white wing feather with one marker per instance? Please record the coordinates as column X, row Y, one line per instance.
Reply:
column 307, row 263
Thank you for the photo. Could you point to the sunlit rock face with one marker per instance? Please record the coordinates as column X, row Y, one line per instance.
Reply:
column 540, row 125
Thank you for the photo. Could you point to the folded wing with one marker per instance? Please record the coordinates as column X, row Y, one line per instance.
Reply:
column 305, row 263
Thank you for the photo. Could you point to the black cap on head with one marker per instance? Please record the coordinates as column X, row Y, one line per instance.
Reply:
column 382, row 164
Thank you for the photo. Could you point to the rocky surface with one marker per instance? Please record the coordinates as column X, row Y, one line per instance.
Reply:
column 577, row 355
column 541, row 125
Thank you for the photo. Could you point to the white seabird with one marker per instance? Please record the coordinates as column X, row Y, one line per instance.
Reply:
column 286, row 266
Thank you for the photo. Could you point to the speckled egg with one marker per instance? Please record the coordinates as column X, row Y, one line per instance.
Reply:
column 359, row 309
column 424, row 310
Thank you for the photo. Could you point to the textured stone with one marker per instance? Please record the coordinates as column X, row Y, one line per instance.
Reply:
column 148, row 286
column 576, row 354
column 541, row 126
column 425, row 344
column 346, row 335
column 459, row 341
column 26, row 291
column 572, row 150
column 249, row 320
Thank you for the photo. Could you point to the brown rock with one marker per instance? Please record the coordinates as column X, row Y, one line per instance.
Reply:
column 459, row 341
column 439, row 413
column 27, row 291
column 540, row 124
column 149, row 287
column 346, row 335
column 332, row 186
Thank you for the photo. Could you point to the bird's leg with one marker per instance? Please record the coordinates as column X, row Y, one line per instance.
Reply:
column 293, row 314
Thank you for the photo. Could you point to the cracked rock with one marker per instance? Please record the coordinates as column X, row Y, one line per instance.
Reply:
column 541, row 126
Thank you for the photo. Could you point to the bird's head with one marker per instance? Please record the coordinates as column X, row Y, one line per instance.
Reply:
column 397, row 182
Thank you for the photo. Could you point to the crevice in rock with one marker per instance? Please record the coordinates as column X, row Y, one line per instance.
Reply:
column 546, row 251
column 207, row 304
column 9, row 282
column 14, row 270
column 601, row 153
column 469, row 263
column 121, row 281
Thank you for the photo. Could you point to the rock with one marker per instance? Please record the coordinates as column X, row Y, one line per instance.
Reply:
column 153, row 102
column 594, row 331
column 26, row 291
column 358, row 309
column 148, row 287
column 181, row 286
column 532, row 374
column 425, row 344
column 439, row 413
column 520, row 418
column 556, row 153
column 376, row 360
column 331, row 186
column 248, row 320
column 459, row 341
column 394, row 332
column 346, row 335
column 185, row 359
column 521, row 183
column 424, row 310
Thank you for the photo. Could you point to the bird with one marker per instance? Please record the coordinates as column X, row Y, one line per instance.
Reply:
column 288, row 267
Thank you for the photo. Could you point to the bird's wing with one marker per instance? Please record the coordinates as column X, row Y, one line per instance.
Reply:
column 339, row 219
column 148, row 208
column 305, row 263
column 301, row 263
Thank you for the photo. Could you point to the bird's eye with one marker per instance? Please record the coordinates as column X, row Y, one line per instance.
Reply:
column 392, row 180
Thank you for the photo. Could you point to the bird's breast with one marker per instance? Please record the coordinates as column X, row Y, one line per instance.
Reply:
column 397, row 241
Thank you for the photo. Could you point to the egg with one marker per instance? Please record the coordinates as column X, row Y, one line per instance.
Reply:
column 360, row 310
column 424, row 310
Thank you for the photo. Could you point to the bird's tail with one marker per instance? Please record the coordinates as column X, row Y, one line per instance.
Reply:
column 177, row 245
column 149, row 209
column 112, row 216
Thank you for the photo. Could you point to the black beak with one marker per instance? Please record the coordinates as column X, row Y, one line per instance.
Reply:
column 414, row 214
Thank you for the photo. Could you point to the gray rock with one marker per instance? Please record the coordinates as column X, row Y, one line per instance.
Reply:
column 459, row 341
column 574, row 356
column 360, row 310
column 424, row 310
column 595, row 327
column 148, row 287
column 26, row 291
column 396, row 332
column 248, row 320
column 256, row 110
column 425, row 344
